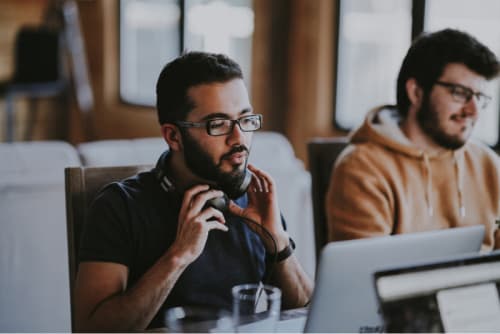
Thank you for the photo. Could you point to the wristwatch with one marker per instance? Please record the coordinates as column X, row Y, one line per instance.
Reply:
column 282, row 254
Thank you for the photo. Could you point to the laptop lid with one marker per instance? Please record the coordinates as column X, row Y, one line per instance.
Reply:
column 459, row 295
column 344, row 298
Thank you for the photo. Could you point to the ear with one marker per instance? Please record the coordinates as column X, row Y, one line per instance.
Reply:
column 172, row 136
column 414, row 92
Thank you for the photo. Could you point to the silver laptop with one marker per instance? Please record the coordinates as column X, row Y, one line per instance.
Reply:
column 344, row 296
column 460, row 295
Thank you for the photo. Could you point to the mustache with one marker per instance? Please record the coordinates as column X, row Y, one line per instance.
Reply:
column 235, row 149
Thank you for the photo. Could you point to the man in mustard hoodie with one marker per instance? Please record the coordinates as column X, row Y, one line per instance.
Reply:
column 412, row 167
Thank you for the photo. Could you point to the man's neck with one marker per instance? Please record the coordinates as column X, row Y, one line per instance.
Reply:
column 416, row 135
column 180, row 175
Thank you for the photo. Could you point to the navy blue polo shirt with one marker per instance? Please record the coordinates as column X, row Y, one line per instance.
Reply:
column 134, row 222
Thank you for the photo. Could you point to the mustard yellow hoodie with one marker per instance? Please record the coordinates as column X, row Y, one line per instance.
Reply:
column 383, row 184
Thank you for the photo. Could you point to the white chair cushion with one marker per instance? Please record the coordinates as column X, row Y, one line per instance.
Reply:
column 29, row 163
column 142, row 151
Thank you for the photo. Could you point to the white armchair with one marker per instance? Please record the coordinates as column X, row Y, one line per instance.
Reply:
column 34, row 281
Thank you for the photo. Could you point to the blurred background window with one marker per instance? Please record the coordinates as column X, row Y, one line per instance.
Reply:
column 482, row 20
column 374, row 36
column 154, row 32
column 370, row 50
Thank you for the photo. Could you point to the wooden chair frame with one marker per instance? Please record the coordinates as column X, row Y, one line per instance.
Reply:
column 82, row 185
column 322, row 153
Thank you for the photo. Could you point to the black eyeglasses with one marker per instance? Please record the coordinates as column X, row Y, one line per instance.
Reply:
column 223, row 126
column 463, row 94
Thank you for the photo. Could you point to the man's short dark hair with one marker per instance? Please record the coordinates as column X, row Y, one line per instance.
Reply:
column 430, row 53
column 184, row 72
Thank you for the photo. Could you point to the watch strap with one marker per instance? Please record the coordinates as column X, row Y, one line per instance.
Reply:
column 283, row 254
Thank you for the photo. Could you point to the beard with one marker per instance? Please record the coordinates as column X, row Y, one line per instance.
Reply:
column 200, row 163
column 428, row 119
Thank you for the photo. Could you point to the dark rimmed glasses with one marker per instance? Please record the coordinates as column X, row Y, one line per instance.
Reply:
column 223, row 126
column 464, row 94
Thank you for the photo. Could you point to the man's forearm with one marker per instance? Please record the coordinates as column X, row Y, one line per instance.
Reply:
column 134, row 309
column 295, row 284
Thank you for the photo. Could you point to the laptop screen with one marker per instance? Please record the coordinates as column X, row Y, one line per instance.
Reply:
column 452, row 296
column 344, row 298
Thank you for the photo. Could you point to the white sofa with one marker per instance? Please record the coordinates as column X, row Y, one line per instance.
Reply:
column 34, row 279
column 121, row 152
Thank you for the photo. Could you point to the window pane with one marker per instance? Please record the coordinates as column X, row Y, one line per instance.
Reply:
column 221, row 27
column 149, row 37
column 373, row 38
column 150, row 33
column 480, row 19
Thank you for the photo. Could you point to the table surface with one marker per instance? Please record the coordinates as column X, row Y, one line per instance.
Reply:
column 291, row 321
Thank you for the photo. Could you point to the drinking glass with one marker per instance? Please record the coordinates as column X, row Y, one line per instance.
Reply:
column 256, row 307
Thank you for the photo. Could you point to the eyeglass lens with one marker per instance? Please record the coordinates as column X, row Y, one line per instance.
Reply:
column 463, row 94
column 225, row 126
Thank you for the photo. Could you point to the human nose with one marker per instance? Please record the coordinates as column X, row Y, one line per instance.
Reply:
column 472, row 106
column 236, row 135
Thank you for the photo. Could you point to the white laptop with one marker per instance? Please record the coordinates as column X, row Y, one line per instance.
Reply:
column 344, row 297
column 460, row 295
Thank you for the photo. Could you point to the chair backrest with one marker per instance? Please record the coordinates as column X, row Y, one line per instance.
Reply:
column 38, row 55
column 322, row 153
column 82, row 185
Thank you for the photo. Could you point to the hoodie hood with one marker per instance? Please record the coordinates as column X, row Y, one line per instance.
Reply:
column 381, row 126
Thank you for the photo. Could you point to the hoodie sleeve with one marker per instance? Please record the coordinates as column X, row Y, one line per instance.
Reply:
column 358, row 203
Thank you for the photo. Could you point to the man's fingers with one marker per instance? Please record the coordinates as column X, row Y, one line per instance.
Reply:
column 188, row 196
column 256, row 183
column 198, row 201
column 215, row 225
column 235, row 209
column 212, row 214
column 213, row 219
column 264, row 180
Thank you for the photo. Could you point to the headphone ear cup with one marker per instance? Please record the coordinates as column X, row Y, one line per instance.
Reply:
column 219, row 203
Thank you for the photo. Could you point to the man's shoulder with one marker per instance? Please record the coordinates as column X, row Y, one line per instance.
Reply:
column 480, row 152
column 366, row 152
column 362, row 160
column 136, row 186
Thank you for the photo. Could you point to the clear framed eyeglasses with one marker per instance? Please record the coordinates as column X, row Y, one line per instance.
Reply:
column 464, row 94
column 223, row 126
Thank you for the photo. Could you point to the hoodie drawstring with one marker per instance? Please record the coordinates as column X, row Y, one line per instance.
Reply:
column 428, row 192
column 458, row 175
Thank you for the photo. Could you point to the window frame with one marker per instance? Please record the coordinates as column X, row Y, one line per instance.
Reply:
column 182, row 28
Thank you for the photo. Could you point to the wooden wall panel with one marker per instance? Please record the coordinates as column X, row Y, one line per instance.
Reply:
column 311, row 77
column 110, row 118
column 293, row 79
